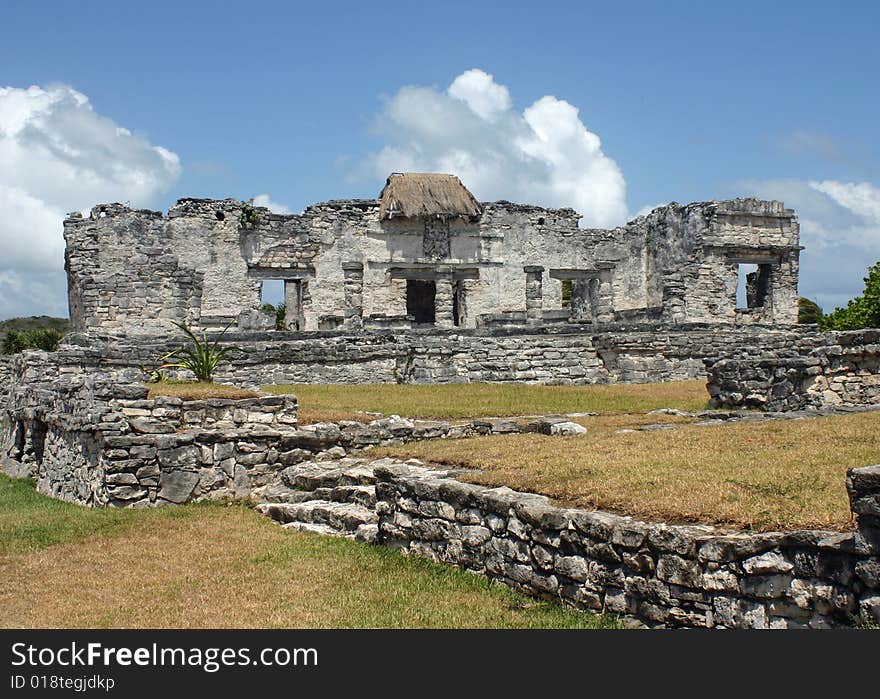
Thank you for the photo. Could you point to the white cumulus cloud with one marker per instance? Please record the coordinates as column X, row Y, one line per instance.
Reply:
column 543, row 155
column 58, row 155
column 480, row 92
column 840, row 232
column 273, row 206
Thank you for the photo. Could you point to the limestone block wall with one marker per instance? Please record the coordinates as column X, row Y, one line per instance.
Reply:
column 169, row 414
column 5, row 374
column 124, row 274
column 204, row 263
column 566, row 354
column 704, row 243
column 671, row 575
column 92, row 437
column 842, row 370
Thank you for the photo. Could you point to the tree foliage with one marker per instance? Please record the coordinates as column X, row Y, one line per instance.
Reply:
column 808, row 311
column 17, row 341
column 862, row 311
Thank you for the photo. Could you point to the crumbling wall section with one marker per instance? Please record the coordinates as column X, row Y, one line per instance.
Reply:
column 93, row 438
column 124, row 274
column 205, row 262
column 689, row 255
column 540, row 355
column 840, row 370
column 661, row 574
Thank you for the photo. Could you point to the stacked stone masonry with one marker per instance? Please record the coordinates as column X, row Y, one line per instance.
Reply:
column 346, row 264
column 661, row 574
column 94, row 437
column 615, row 353
column 841, row 370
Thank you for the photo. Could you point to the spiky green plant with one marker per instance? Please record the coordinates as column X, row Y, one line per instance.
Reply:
column 201, row 357
column 280, row 312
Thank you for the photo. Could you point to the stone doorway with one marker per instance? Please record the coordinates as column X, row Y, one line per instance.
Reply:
column 420, row 299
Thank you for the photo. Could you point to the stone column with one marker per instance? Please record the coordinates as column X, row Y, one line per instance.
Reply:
column 353, row 286
column 582, row 295
column 534, row 293
column 673, row 299
column 863, row 488
column 604, row 300
column 443, row 300
column 292, row 304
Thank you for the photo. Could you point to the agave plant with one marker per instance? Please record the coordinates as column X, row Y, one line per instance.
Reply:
column 200, row 356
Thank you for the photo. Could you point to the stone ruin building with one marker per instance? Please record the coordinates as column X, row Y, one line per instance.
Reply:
column 427, row 253
column 427, row 285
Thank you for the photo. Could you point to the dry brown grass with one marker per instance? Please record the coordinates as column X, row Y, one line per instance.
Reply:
column 220, row 567
column 606, row 424
column 310, row 417
column 783, row 474
column 199, row 391
column 456, row 401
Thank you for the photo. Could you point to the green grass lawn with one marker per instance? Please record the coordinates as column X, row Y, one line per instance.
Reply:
column 450, row 401
column 211, row 566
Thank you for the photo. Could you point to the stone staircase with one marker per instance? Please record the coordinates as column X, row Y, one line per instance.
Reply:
column 327, row 497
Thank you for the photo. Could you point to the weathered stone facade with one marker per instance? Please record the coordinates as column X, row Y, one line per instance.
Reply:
column 839, row 370
column 670, row 575
column 346, row 264
column 544, row 354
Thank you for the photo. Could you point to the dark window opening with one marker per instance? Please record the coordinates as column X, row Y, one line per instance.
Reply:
column 220, row 216
column 541, row 221
column 753, row 285
column 566, row 293
column 39, row 431
column 420, row 296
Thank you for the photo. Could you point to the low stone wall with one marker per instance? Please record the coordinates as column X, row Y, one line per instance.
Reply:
column 169, row 414
column 558, row 354
column 670, row 575
column 842, row 371
column 94, row 438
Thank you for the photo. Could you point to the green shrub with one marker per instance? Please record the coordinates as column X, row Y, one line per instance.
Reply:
column 808, row 311
column 862, row 311
column 200, row 356
column 40, row 338
column 249, row 217
column 14, row 342
column 280, row 312
column 44, row 338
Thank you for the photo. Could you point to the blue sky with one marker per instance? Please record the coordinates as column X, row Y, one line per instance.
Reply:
column 302, row 103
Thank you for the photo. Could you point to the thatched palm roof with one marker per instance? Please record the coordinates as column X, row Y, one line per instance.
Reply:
column 414, row 194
